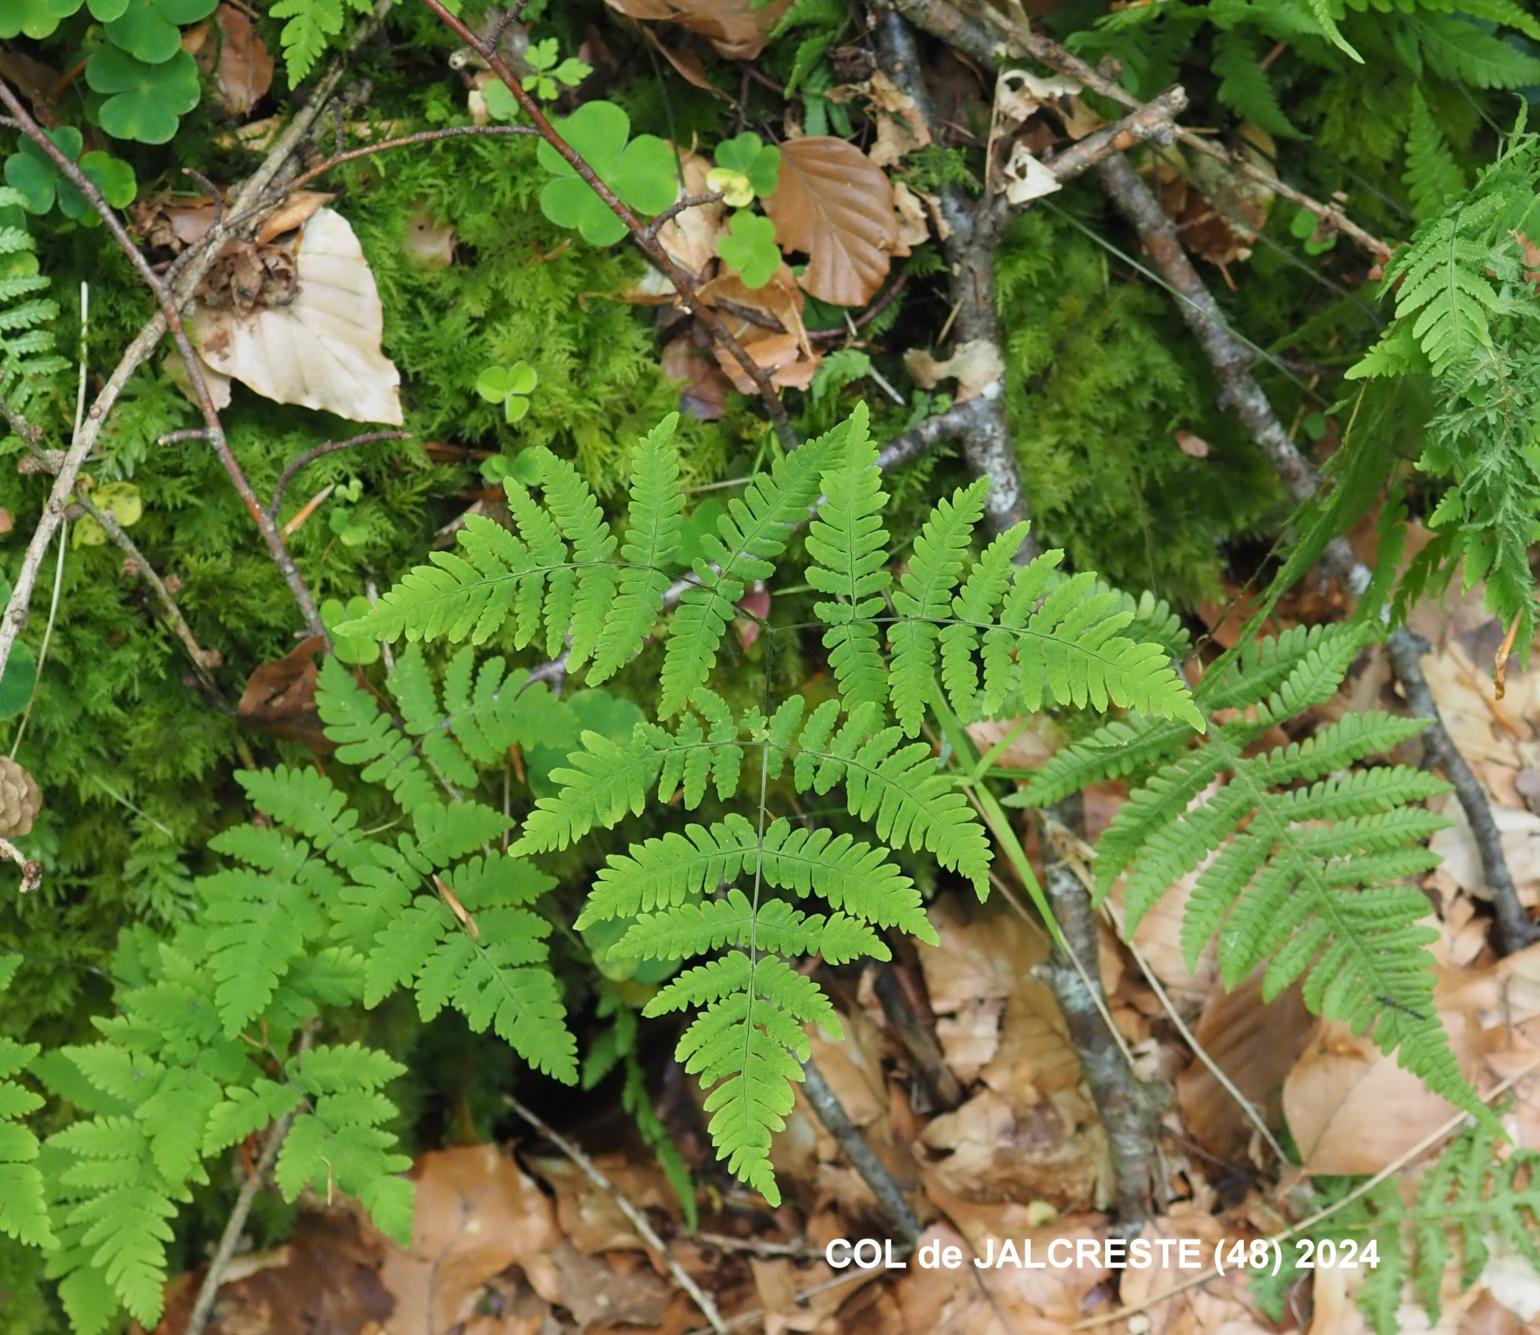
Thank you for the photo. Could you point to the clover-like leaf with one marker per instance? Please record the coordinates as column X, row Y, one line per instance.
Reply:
column 144, row 102
column 639, row 171
column 104, row 11
column 148, row 29
column 356, row 649
column 747, row 156
column 510, row 386
column 31, row 173
column 121, row 500
column 34, row 18
column 499, row 101
column 748, row 248
column 549, row 72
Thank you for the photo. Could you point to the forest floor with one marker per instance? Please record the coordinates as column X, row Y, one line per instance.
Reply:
column 519, row 1239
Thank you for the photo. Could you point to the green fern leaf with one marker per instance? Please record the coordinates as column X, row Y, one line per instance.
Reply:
column 310, row 25
column 366, row 736
column 1433, row 177
column 653, row 526
column 749, row 536
column 23, row 1213
column 1463, row 53
column 848, row 545
column 1244, row 86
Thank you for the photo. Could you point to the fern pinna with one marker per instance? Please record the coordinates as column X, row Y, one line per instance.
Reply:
column 1300, row 859
column 1478, row 1199
column 757, row 891
column 214, row 1038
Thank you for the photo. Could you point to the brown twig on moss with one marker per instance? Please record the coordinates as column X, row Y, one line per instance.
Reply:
column 86, row 438
column 1243, row 396
column 320, row 452
column 684, row 284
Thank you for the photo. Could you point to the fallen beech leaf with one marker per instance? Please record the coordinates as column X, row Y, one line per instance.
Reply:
column 976, row 366
column 245, row 69
column 295, row 211
column 836, row 205
column 785, row 353
column 900, row 127
column 738, row 29
column 691, row 236
column 1353, row 1110
column 913, row 223
column 476, row 1213
column 1195, row 447
column 1218, row 214
column 323, row 349
column 280, row 697
column 703, row 387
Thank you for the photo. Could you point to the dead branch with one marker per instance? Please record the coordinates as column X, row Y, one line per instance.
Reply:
column 1128, row 1108
column 991, row 37
column 320, row 452
column 1242, row 395
column 684, row 284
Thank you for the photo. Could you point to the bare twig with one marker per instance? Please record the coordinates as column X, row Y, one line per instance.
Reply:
column 836, row 1121
column 677, row 207
column 320, row 452
column 684, row 284
column 635, row 1217
column 991, row 37
column 168, row 304
column 1129, row 1109
column 203, row 1307
column 1243, row 396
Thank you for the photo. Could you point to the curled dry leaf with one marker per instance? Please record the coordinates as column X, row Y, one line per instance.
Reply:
column 1219, row 214
column 738, row 29
column 280, row 696
column 244, row 71
column 976, row 365
column 900, row 127
column 322, row 350
column 913, row 224
column 767, row 322
column 836, row 205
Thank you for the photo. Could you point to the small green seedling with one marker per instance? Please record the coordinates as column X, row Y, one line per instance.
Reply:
column 746, row 168
column 510, row 386
column 748, row 248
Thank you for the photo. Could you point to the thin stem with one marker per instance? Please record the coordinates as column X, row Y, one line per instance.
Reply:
column 320, row 452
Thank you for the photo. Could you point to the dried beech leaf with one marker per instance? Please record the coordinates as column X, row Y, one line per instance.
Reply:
column 245, row 69
column 280, row 697
column 785, row 351
column 736, row 28
column 913, row 225
column 900, row 127
column 294, row 212
column 836, row 205
column 975, row 365
column 323, row 349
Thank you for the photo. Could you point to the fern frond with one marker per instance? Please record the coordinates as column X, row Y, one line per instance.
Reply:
column 1244, row 85
column 924, row 598
column 1297, row 855
column 747, row 1046
column 1433, row 177
column 310, row 25
column 896, row 786
column 27, row 359
column 653, row 524
column 1463, row 53
column 749, row 536
column 23, row 1212
column 848, row 545
column 367, row 736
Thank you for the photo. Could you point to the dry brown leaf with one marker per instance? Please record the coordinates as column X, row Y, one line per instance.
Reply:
column 976, row 366
column 736, row 28
column 1221, row 1306
column 1352, row 1110
column 703, row 387
column 1255, row 1046
column 686, row 64
column 280, row 696
column 245, row 69
column 786, row 353
column 691, row 237
column 475, row 1214
column 834, row 204
column 900, row 127
column 913, row 219
column 1218, row 214
column 295, row 211
column 323, row 349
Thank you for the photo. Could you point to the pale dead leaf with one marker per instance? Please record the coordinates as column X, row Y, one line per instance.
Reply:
column 1512, row 1280
column 976, row 365
column 835, row 205
column 913, row 222
column 1193, row 446
column 1353, row 1110
column 475, row 1214
column 736, row 28
column 703, row 387
column 1255, row 1046
column 1221, row 1306
column 691, row 236
column 429, row 243
column 900, row 127
column 245, row 69
column 323, row 349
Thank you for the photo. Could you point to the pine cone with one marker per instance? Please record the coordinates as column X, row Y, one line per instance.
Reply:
column 20, row 800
